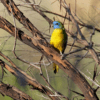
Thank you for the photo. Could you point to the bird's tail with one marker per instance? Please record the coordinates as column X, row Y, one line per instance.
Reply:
column 55, row 68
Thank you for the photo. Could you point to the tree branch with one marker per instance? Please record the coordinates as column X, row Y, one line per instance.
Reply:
column 39, row 42
column 13, row 92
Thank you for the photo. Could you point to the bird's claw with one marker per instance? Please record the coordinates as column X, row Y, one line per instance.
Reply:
column 62, row 55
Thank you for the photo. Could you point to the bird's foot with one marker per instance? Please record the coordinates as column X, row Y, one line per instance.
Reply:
column 62, row 55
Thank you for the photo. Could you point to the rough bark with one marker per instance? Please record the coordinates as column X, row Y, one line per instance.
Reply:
column 13, row 92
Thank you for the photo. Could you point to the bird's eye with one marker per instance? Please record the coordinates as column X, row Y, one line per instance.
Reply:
column 56, row 23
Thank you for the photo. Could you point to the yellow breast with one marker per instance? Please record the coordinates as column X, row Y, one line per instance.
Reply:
column 57, row 39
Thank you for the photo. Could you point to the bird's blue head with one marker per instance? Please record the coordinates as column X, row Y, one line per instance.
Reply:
column 57, row 24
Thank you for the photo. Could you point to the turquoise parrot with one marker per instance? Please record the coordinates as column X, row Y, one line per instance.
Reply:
column 58, row 40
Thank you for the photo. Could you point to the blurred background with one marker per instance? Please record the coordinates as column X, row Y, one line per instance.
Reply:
column 86, row 11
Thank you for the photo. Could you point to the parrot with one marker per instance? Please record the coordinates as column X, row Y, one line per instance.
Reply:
column 58, row 40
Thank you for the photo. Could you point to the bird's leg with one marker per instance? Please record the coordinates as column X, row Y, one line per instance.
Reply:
column 62, row 55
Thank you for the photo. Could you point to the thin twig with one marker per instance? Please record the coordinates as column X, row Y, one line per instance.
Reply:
column 90, row 79
column 46, row 71
column 9, row 60
column 74, row 51
column 81, row 58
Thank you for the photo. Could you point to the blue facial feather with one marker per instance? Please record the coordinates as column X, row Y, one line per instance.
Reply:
column 57, row 24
